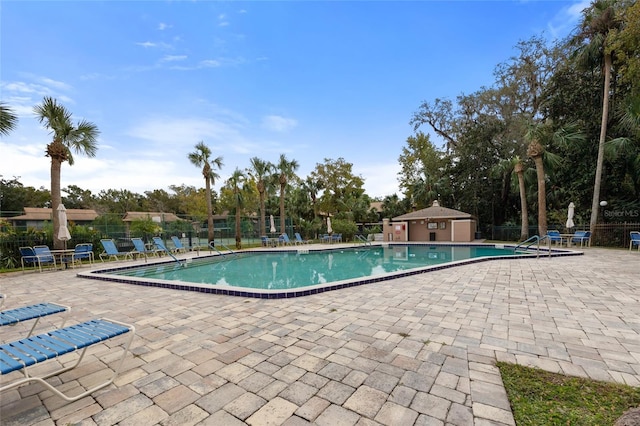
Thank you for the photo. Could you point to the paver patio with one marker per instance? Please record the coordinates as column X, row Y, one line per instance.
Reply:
column 418, row 350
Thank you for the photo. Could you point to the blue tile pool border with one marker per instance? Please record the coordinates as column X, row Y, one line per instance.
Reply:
column 102, row 275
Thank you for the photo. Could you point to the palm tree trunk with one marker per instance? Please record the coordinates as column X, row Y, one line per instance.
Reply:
column 56, row 200
column 210, row 235
column 263, row 215
column 282, row 216
column 542, row 196
column 603, row 135
column 238, row 229
column 524, row 230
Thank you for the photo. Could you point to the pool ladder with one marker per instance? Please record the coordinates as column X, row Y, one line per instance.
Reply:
column 213, row 247
column 536, row 239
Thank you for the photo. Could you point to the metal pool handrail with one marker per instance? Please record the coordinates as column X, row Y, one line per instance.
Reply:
column 535, row 240
column 213, row 247
column 362, row 240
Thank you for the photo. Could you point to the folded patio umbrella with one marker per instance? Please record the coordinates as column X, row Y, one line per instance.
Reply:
column 570, row 214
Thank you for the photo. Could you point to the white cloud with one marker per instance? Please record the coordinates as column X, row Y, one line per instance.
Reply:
column 567, row 19
column 150, row 44
column 173, row 58
column 162, row 26
column 380, row 179
column 278, row 123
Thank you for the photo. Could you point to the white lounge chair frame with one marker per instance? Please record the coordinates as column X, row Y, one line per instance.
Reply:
column 56, row 343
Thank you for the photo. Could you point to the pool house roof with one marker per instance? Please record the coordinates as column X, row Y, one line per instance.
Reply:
column 433, row 212
column 38, row 214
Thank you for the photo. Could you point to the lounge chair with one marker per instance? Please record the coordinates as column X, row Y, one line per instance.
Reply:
column 582, row 237
column 111, row 251
column 299, row 239
column 635, row 240
column 45, row 257
column 24, row 353
column 284, row 240
column 82, row 251
column 37, row 311
column 28, row 257
column 554, row 237
column 161, row 248
column 179, row 248
column 141, row 249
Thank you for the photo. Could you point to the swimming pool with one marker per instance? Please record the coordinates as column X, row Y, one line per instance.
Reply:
column 300, row 271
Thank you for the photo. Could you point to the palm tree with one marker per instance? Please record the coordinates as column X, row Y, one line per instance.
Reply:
column 66, row 137
column 237, row 183
column 600, row 19
column 8, row 119
column 539, row 135
column 200, row 158
column 260, row 171
column 286, row 170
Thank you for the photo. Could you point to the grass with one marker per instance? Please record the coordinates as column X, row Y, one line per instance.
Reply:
column 538, row 397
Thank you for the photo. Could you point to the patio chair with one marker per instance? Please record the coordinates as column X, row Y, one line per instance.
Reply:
column 28, row 257
column 284, row 240
column 554, row 237
column 635, row 240
column 161, row 248
column 22, row 354
column 112, row 252
column 299, row 239
column 336, row 238
column 141, row 249
column 179, row 248
column 582, row 237
column 82, row 251
column 36, row 311
column 44, row 256
column 325, row 238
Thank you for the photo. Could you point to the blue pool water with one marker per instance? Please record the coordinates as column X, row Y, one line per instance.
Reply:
column 305, row 269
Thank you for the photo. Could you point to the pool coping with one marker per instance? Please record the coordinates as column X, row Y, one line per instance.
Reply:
column 103, row 274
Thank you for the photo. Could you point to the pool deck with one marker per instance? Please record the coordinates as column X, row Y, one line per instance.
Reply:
column 418, row 350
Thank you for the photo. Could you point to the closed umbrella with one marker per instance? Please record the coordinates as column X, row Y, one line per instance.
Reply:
column 329, row 230
column 63, row 231
column 570, row 214
column 273, row 225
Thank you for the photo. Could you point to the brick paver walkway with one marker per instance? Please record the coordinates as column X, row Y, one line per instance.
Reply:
column 412, row 351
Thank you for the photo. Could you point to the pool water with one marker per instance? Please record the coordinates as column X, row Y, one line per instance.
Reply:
column 305, row 268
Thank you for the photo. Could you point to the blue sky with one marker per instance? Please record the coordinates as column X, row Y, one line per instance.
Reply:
column 310, row 79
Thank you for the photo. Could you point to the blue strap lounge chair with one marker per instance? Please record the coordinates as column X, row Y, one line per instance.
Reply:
column 141, row 249
column 179, row 248
column 582, row 237
column 30, row 257
column 83, row 251
column 299, row 239
column 45, row 257
column 554, row 237
column 285, row 240
column 111, row 251
column 24, row 353
column 635, row 240
column 37, row 311
column 160, row 245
